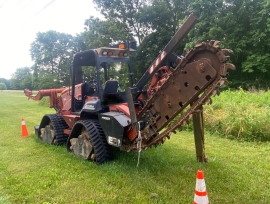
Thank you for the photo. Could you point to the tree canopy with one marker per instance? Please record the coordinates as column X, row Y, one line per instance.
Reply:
column 21, row 79
column 3, row 86
column 243, row 26
column 6, row 82
column 51, row 52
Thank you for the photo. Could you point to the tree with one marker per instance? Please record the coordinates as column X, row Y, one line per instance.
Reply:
column 3, row 86
column 100, row 33
column 242, row 26
column 6, row 82
column 48, row 79
column 52, row 52
column 127, row 15
column 96, row 33
column 21, row 79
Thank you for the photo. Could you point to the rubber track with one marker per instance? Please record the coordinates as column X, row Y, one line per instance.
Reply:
column 98, row 139
column 59, row 125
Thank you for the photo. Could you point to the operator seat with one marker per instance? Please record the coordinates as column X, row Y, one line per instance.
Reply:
column 110, row 94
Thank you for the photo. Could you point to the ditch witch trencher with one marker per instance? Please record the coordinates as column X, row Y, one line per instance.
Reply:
column 92, row 116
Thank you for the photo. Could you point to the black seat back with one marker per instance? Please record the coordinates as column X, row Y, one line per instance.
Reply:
column 111, row 86
column 110, row 93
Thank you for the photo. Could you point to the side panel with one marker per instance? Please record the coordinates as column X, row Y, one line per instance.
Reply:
column 114, row 125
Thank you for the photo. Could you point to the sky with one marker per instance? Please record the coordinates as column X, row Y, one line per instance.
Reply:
column 20, row 20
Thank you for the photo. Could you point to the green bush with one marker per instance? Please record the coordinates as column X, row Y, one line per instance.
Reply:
column 240, row 114
column 3, row 86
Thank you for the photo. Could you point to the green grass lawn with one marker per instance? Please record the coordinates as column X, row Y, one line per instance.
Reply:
column 33, row 172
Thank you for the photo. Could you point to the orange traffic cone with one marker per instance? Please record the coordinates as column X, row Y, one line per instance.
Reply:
column 200, row 195
column 24, row 129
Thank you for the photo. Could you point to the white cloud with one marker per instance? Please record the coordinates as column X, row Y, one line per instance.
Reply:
column 20, row 20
